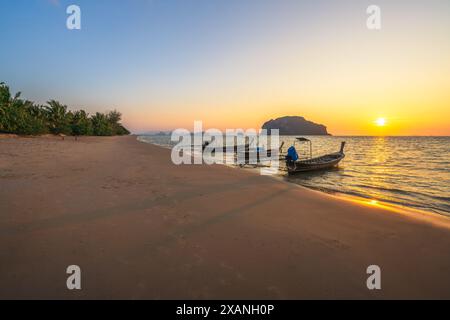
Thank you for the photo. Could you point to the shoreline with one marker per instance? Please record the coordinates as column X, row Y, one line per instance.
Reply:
column 441, row 218
column 140, row 227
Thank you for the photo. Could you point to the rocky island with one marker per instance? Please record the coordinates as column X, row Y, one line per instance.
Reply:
column 295, row 125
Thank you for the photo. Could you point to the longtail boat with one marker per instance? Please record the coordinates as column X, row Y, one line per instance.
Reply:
column 327, row 161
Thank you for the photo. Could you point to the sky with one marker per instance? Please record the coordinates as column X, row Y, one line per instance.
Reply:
column 236, row 63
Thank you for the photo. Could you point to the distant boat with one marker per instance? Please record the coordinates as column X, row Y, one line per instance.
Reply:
column 244, row 153
column 225, row 149
column 295, row 165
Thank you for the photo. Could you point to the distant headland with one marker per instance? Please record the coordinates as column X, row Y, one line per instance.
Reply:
column 295, row 125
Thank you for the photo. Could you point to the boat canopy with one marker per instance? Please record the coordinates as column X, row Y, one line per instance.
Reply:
column 301, row 139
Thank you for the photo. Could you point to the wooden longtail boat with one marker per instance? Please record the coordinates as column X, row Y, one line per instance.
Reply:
column 319, row 163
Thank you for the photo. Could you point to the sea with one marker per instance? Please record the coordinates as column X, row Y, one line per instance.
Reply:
column 411, row 172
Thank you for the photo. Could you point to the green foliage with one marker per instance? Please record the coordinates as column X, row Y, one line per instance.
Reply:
column 122, row 131
column 81, row 125
column 58, row 118
column 24, row 117
column 114, row 118
column 19, row 116
column 108, row 124
column 33, row 120
column 101, row 125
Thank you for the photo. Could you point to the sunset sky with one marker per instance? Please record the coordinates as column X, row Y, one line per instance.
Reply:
column 237, row 63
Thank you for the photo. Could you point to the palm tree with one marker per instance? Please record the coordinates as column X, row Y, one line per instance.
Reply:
column 36, row 119
column 7, row 103
column 4, row 99
column 24, row 117
column 58, row 119
column 16, row 115
column 81, row 124
column 101, row 125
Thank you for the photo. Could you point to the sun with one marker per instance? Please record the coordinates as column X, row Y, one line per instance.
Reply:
column 381, row 122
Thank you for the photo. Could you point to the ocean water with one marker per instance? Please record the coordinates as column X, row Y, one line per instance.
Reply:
column 411, row 172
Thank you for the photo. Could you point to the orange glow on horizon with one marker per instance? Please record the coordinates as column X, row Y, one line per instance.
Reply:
column 337, row 124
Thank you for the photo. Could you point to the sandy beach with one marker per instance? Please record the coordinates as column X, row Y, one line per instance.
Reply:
column 142, row 228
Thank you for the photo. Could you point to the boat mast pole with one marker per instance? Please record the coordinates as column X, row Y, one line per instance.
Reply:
column 310, row 149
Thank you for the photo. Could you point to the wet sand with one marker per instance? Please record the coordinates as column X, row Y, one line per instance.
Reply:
column 142, row 228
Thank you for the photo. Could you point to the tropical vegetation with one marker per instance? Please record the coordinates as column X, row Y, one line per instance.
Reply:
column 25, row 117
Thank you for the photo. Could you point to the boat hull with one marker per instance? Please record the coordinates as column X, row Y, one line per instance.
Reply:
column 321, row 163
